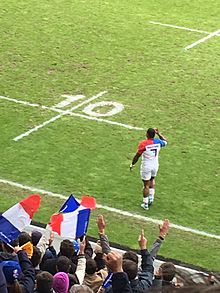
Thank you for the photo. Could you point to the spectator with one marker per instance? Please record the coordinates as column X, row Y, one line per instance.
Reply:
column 64, row 265
column 35, row 237
column 140, row 281
column 120, row 282
column 100, row 262
column 164, row 277
column 66, row 249
column 36, row 259
column 44, row 282
column 24, row 238
column 12, row 272
column 93, row 279
column 61, row 283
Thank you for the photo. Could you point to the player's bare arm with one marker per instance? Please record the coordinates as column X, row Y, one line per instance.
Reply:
column 134, row 161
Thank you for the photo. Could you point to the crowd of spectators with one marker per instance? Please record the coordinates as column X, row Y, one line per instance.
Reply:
column 31, row 264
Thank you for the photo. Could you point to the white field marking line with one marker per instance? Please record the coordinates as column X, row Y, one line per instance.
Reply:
column 58, row 116
column 215, row 33
column 114, row 210
column 180, row 27
column 71, row 114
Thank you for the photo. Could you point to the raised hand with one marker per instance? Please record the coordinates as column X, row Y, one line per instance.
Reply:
column 101, row 224
column 164, row 228
column 114, row 261
column 142, row 241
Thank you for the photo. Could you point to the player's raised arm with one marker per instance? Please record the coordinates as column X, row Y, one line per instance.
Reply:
column 160, row 135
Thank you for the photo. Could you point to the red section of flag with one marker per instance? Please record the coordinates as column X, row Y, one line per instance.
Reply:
column 55, row 222
column 88, row 202
column 31, row 204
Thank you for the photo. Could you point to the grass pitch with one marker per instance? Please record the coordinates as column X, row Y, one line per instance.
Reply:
column 84, row 47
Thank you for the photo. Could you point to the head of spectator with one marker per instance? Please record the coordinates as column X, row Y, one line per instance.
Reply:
column 23, row 238
column 167, row 271
column 91, row 266
column 61, row 282
column 131, row 268
column 12, row 272
column 36, row 257
column 66, row 248
column 44, row 282
column 35, row 237
column 63, row 264
column 131, row 255
column 80, row 289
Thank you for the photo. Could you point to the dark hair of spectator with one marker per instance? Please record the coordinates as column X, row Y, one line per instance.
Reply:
column 23, row 238
column 131, row 255
column 131, row 268
column 63, row 264
column 168, row 271
column 66, row 248
column 44, row 281
column 91, row 266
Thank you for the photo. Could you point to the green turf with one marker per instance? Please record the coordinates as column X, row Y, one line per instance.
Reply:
column 189, row 248
column 50, row 48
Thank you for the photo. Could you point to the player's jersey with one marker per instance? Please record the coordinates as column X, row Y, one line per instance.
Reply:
column 149, row 149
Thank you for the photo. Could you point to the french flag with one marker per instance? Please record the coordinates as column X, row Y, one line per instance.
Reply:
column 73, row 217
column 13, row 221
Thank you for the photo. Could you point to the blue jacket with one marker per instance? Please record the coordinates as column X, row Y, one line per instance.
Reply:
column 27, row 281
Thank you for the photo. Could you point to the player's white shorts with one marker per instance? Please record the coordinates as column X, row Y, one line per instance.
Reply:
column 147, row 173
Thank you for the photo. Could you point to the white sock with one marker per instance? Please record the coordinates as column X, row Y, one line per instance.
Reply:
column 151, row 194
column 145, row 200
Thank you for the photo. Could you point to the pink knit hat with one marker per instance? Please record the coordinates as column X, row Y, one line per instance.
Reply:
column 61, row 283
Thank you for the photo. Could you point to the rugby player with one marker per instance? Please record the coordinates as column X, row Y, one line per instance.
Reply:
column 149, row 150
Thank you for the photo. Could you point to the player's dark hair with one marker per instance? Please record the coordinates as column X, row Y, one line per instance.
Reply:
column 150, row 133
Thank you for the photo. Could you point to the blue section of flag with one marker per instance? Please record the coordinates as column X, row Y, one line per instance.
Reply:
column 8, row 232
column 70, row 205
column 82, row 222
column 108, row 281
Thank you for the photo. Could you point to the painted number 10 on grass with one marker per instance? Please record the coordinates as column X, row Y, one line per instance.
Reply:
column 98, row 109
